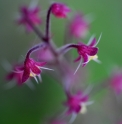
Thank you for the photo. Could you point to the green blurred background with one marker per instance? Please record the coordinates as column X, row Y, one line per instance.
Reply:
column 20, row 105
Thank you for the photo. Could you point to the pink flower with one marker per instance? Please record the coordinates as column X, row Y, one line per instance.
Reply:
column 45, row 54
column 58, row 122
column 29, row 15
column 116, row 81
column 16, row 74
column 85, row 52
column 120, row 122
column 60, row 10
column 75, row 102
column 79, row 26
column 32, row 69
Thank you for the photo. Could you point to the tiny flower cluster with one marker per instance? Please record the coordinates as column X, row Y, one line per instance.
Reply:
column 49, row 55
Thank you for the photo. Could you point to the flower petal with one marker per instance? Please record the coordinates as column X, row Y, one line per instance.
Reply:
column 25, row 75
column 93, row 42
column 35, row 10
column 85, row 59
column 40, row 63
column 60, row 10
column 35, row 70
column 92, row 51
column 78, row 108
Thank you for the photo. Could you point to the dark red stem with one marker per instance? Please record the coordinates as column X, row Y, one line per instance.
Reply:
column 66, row 48
column 47, row 33
column 34, row 49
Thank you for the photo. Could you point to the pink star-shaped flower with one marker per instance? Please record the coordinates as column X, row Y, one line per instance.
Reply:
column 79, row 26
column 74, row 102
column 29, row 15
column 116, row 81
column 58, row 122
column 85, row 52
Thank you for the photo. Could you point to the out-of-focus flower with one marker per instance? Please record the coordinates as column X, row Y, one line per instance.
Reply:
column 16, row 74
column 29, row 15
column 60, row 10
column 120, row 122
column 76, row 103
column 45, row 54
column 116, row 81
column 79, row 26
column 32, row 69
column 58, row 122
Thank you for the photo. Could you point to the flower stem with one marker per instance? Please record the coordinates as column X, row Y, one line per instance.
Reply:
column 66, row 48
column 36, row 47
column 35, row 29
column 47, row 33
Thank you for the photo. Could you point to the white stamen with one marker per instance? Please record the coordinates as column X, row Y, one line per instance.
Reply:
column 87, row 90
column 36, row 79
column 34, row 76
column 78, row 67
column 17, row 71
column 83, row 109
column 97, row 60
column 91, row 39
column 40, row 78
column 74, row 115
column 46, row 68
column 98, row 39
column 89, row 103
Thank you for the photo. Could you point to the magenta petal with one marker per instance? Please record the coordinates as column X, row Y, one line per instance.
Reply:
column 36, row 10
column 24, row 10
column 25, row 75
column 40, row 63
column 92, row 51
column 85, row 58
column 37, row 20
column 93, row 42
column 35, row 70
column 78, row 108
column 85, row 61
column 60, row 10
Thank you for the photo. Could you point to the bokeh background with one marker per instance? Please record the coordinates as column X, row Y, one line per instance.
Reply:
column 20, row 105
